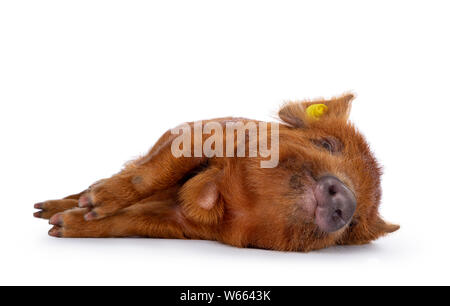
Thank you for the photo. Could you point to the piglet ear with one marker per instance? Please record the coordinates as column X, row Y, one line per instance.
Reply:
column 365, row 233
column 337, row 107
column 293, row 113
column 299, row 114
column 383, row 227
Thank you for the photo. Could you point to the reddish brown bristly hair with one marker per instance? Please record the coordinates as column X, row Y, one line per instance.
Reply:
column 233, row 199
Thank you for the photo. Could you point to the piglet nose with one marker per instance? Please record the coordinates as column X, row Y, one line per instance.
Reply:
column 336, row 204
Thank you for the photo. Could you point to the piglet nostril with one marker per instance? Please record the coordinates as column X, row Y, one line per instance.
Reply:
column 337, row 215
column 332, row 190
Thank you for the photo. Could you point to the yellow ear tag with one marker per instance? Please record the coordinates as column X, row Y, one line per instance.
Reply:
column 316, row 111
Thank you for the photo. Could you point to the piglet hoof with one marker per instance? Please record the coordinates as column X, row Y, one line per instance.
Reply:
column 101, row 201
column 49, row 208
column 56, row 231
column 72, row 224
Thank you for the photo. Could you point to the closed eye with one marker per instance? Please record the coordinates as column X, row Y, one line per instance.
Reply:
column 330, row 144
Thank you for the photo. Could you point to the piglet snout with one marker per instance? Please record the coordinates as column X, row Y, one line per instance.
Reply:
column 336, row 204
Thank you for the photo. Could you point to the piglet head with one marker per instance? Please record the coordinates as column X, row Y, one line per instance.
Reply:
column 328, row 181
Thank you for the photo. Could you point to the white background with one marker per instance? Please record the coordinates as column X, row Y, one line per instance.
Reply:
column 87, row 85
